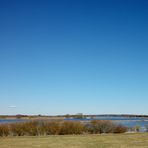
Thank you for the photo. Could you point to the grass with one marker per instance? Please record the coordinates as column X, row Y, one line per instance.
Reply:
column 136, row 140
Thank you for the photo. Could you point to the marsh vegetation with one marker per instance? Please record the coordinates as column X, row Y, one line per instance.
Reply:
column 37, row 128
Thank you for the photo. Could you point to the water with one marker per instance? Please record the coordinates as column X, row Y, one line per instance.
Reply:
column 2, row 121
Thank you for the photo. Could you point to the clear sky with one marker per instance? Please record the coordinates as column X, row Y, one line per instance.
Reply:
column 73, row 56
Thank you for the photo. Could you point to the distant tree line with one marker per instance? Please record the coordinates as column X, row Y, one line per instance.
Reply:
column 79, row 115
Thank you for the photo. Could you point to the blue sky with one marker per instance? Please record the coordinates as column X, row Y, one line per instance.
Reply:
column 73, row 56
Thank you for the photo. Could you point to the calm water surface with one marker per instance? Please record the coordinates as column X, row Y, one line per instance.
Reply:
column 11, row 120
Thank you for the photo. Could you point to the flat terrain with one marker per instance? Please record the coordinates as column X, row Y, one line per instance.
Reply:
column 137, row 140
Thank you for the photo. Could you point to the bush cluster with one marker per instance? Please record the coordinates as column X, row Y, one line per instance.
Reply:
column 103, row 126
column 36, row 128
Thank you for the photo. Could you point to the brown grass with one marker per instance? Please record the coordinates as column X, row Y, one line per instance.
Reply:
column 138, row 140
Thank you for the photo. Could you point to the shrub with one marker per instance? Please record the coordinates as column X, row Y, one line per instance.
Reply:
column 17, row 129
column 101, row 126
column 31, row 128
column 71, row 127
column 137, row 128
column 51, row 128
column 28, row 128
column 35, row 128
column 4, row 130
column 120, row 129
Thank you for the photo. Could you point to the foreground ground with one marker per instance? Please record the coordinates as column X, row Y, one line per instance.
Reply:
column 138, row 140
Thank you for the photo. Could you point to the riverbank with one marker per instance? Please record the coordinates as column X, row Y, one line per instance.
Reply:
column 132, row 123
column 134, row 140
